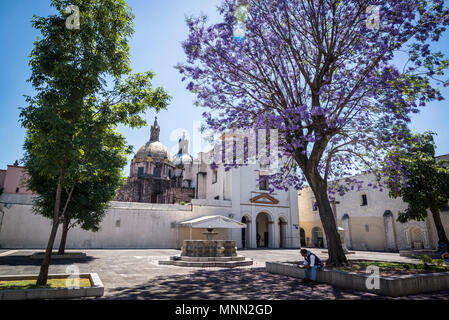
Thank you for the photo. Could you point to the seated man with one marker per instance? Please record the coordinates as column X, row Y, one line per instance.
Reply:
column 443, row 250
column 311, row 263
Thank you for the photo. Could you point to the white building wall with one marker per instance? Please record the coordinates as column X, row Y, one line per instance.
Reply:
column 370, row 228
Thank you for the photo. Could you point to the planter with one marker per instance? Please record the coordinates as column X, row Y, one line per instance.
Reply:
column 95, row 290
column 67, row 255
column 388, row 286
column 418, row 253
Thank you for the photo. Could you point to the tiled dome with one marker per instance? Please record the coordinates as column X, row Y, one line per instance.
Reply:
column 154, row 150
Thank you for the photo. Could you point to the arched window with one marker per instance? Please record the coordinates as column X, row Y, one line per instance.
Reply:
column 140, row 171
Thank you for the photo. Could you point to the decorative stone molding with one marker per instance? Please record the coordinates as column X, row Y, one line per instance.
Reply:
column 264, row 198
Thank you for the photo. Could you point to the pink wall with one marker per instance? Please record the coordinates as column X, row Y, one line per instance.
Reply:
column 14, row 179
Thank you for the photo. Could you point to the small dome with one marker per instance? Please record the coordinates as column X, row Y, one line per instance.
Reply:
column 155, row 150
column 184, row 158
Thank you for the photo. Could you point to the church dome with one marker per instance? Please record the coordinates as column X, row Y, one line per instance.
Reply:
column 155, row 150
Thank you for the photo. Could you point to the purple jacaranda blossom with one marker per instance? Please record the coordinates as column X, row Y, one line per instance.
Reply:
column 312, row 70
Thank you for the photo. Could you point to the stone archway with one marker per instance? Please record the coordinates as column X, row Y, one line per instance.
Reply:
column 282, row 232
column 264, row 234
column 416, row 238
column 317, row 237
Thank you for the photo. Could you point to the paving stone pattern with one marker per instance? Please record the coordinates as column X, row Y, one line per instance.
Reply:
column 136, row 274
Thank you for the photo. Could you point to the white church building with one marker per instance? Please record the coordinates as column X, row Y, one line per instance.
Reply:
column 271, row 219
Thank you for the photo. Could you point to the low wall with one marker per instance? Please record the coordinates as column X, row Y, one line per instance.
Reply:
column 388, row 286
column 125, row 225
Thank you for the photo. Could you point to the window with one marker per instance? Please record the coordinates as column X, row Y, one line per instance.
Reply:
column 314, row 205
column 157, row 172
column 17, row 190
column 367, row 227
column 364, row 200
column 140, row 172
column 263, row 182
column 214, row 176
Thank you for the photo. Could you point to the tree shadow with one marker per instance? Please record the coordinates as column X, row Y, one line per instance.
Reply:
column 25, row 260
column 239, row 283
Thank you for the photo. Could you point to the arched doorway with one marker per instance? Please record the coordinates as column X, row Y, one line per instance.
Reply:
column 302, row 235
column 245, row 233
column 317, row 237
column 263, row 235
column 416, row 238
column 282, row 232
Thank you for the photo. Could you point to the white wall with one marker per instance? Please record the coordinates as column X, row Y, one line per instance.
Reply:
column 144, row 225
column 141, row 225
column 378, row 236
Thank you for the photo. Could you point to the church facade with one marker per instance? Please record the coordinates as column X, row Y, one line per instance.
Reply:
column 157, row 177
column 161, row 192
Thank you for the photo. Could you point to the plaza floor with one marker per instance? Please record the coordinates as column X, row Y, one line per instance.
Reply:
column 136, row 274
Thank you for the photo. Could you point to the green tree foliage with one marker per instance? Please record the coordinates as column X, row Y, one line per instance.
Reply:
column 420, row 180
column 84, row 90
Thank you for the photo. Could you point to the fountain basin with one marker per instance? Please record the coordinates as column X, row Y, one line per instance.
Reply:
column 209, row 248
column 208, row 253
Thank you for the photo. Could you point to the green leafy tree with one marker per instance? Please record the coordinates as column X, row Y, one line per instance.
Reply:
column 84, row 90
column 421, row 180
column 89, row 199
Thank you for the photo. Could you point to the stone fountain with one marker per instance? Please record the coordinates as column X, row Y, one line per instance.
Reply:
column 208, row 253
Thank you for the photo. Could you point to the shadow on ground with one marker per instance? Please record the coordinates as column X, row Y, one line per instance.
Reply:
column 243, row 283
column 25, row 260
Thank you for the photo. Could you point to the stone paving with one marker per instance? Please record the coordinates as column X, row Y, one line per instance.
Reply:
column 136, row 274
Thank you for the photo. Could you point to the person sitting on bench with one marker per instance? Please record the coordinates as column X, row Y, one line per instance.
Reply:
column 311, row 263
column 443, row 250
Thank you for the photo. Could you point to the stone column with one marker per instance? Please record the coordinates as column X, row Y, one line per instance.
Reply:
column 253, row 234
column 347, row 235
column 272, row 232
column 390, row 238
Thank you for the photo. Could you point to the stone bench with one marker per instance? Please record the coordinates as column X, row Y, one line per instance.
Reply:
column 388, row 286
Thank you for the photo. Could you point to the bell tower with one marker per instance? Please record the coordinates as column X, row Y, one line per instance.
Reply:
column 154, row 131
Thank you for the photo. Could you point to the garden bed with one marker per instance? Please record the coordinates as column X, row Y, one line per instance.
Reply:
column 388, row 285
column 23, row 287
column 393, row 268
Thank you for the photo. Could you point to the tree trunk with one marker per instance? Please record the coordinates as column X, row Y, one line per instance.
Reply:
column 337, row 255
column 439, row 225
column 43, row 273
column 65, row 230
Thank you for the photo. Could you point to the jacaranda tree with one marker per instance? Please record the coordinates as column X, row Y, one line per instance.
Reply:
column 337, row 83
column 81, row 73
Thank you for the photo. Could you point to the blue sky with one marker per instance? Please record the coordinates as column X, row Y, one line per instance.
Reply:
column 156, row 46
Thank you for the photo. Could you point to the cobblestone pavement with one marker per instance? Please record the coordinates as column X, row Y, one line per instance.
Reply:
column 136, row 274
